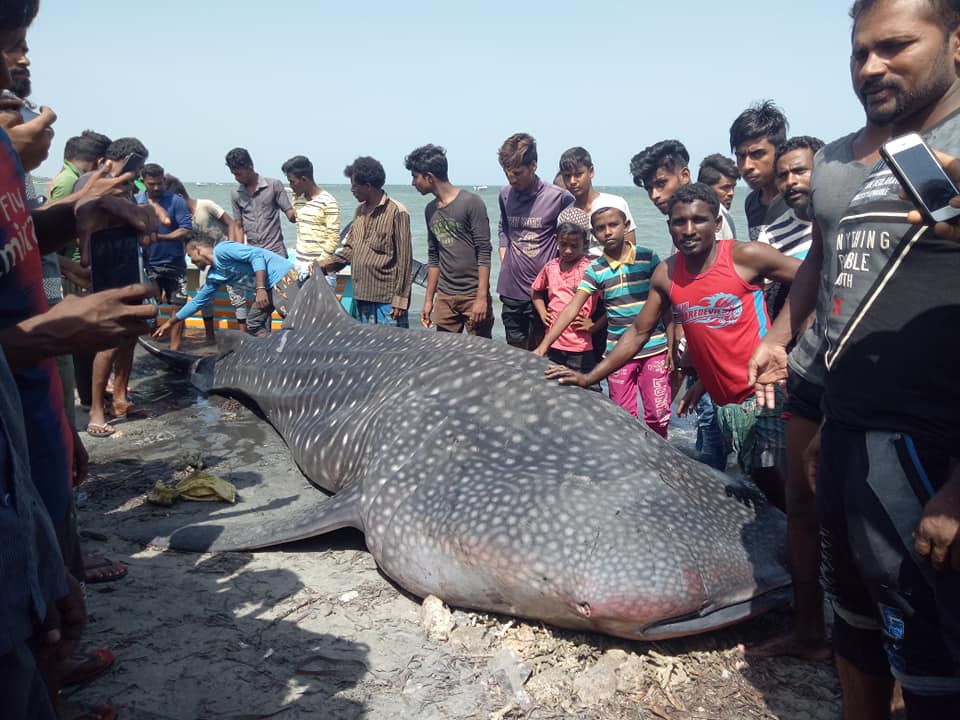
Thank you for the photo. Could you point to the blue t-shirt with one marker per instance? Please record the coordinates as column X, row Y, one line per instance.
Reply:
column 233, row 261
column 168, row 253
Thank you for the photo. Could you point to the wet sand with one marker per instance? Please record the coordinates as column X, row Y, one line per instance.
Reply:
column 314, row 630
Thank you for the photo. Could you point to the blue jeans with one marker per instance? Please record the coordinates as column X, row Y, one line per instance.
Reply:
column 373, row 313
column 710, row 442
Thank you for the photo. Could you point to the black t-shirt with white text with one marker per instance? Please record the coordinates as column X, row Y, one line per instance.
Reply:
column 892, row 337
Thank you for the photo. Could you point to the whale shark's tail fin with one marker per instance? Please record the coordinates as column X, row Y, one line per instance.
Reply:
column 316, row 302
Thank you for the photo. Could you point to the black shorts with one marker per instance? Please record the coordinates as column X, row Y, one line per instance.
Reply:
column 871, row 491
column 521, row 322
column 172, row 282
column 803, row 398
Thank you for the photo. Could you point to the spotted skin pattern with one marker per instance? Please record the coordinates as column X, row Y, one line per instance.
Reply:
column 477, row 480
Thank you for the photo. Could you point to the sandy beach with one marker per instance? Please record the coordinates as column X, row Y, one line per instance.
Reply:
column 314, row 630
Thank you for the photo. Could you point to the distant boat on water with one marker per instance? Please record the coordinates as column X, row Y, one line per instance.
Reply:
column 480, row 188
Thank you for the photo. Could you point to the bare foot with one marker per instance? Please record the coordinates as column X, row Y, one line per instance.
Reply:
column 790, row 645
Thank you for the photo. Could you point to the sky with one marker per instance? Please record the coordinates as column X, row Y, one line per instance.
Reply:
column 334, row 81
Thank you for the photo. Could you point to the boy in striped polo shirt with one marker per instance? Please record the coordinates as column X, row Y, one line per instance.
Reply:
column 623, row 275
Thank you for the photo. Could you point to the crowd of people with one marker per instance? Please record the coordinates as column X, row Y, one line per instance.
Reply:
column 815, row 346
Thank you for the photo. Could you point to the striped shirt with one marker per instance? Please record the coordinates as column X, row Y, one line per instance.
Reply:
column 788, row 234
column 625, row 286
column 318, row 228
column 379, row 250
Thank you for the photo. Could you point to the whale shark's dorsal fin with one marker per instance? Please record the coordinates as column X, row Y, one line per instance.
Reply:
column 316, row 303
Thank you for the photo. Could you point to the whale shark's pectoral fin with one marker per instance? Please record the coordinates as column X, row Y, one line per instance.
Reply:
column 255, row 530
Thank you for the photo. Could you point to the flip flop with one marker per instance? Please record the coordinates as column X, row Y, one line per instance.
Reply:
column 86, row 665
column 98, row 569
column 100, row 430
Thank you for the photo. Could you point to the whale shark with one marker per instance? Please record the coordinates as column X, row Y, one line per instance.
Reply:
column 476, row 479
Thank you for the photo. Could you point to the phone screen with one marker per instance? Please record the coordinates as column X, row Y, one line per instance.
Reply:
column 931, row 182
column 114, row 258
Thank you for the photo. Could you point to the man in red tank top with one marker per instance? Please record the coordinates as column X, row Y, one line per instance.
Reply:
column 716, row 290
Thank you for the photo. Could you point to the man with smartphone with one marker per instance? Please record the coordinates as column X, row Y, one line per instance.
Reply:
column 164, row 262
column 888, row 490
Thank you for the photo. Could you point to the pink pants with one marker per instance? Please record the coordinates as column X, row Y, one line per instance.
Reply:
column 651, row 378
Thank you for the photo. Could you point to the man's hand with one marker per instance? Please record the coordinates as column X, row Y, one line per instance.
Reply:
column 75, row 272
column 163, row 329
column 425, row 312
column 583, row 323
column 937, row 537
column 565, row 376
column 80, row 324
column 325, row 268
column 946, row 230
column 99, row 213
column 767, row 369
column 30, row 139
column 262, row 299
column 479, row 310
column 397, row 313
column 691, row 398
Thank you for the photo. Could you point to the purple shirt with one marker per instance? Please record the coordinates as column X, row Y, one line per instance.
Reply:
column 528, row 230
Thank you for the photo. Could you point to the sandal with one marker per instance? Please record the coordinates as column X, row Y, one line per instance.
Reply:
column 98, row 569
column 100, row 430
column 87, row 665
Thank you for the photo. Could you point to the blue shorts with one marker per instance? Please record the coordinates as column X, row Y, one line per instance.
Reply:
column 373, row 313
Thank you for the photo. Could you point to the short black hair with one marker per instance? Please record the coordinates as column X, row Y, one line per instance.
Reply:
column 762, row 120
column 122, row 147
column 518, row 150
column 16, row 14
column 574, row 158
column 693, row 192
column 714, row 168
column 598, row 211
column 98, row 142
column 798, row 142
column 239, row 159
column 670, row 155
column 152, row 170
column 298, row 166
column 366, row 171
column 171, row 183
column 83, row 149
column 572, row 228
column 430, row 159
column 200, row 237
column 946, row 13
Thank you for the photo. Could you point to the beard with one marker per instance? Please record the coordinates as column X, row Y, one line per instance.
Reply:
column 905, row 103
column 20, row 85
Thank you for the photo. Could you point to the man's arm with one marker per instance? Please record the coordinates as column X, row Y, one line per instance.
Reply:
column 756, row 261
column 56, row 225
column 433, row 279
column 768, row 364
column 503, row 229
column 403, row 247
column 283, row 202
column 566, row 316
column 236, row 232
column 480, row 232
column 631, row 341
column 79, row 324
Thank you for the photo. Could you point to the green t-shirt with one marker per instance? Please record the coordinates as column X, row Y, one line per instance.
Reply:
column 60, row 187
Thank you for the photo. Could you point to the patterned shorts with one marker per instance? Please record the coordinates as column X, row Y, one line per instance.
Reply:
column 756, row 434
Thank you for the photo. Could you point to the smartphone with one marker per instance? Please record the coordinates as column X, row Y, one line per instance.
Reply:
column 27, row 110
column 922, row 176
column 133, row 164
column 115, row 259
